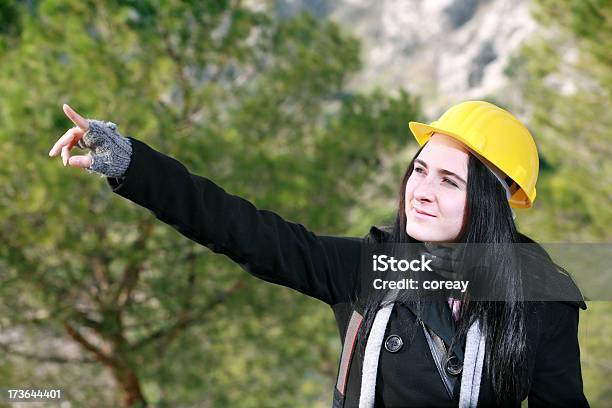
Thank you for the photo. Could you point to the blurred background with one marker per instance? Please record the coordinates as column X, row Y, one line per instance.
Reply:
column 302, row 108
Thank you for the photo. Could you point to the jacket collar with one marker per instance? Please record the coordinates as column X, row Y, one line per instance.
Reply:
column 435, row 314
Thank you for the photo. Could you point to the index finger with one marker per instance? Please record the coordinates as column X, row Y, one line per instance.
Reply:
column 75, row 117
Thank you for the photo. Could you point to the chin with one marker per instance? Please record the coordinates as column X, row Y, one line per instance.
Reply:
column 420, row 235
column 429, row 236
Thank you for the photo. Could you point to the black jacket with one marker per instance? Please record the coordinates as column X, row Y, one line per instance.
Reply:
column 326, row 268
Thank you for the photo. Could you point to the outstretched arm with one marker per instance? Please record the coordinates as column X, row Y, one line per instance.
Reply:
column 261, row 241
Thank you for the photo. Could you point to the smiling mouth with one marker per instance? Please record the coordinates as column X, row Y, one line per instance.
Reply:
column 423, row 212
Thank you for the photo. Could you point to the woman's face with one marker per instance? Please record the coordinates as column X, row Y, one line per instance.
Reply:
column 436, row 191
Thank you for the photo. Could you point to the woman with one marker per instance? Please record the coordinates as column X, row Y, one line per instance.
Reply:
column 474, row 163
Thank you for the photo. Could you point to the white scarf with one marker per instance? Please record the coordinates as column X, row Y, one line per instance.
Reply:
column 472, row 363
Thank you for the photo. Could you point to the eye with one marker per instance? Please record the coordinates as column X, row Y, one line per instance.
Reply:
column 419, row 170
column 449, row 181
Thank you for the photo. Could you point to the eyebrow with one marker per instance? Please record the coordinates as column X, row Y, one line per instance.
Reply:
column 441, row 171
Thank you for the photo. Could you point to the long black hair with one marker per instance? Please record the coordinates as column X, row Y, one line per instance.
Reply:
column 488, row 220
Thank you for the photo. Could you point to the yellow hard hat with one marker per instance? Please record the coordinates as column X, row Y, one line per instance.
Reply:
column 496, row 136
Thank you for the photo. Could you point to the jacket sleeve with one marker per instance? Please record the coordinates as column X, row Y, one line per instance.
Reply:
column 557, row 379
column 260, row 241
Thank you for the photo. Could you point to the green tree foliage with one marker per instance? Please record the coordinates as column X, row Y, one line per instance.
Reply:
column 566, row 86
column 565, row 78
column 259, row 105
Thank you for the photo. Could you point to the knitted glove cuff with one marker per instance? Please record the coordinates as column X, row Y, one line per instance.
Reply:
column 110, row 151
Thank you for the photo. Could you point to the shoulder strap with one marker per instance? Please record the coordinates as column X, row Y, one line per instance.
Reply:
column 350, row 339
column 348, row 349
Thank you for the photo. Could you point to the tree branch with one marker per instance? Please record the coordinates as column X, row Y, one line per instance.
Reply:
column 129, row 279
column 187, row 319
column 100, row 355
column 44, row 358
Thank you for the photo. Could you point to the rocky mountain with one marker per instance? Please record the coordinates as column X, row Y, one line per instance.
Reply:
column 444, row 50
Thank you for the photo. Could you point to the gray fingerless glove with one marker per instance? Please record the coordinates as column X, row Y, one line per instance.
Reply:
column 110, row 151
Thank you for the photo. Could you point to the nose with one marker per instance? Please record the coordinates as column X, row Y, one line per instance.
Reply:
column 424, row 191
